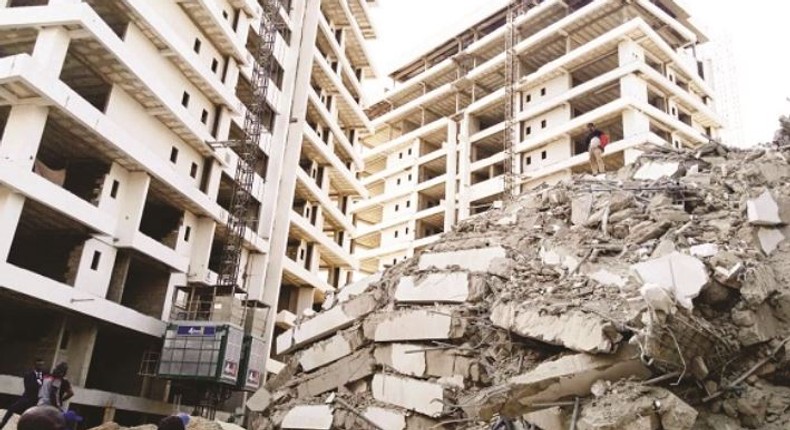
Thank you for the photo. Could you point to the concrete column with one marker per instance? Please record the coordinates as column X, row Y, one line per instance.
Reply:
column 468, row 124
column 629, row 51
column 51, row 47
column 202, row 237
column 450, row 184
column 232, row 74
column 634, row 88
column 11, row 205
column 109, row 415
column 243, row 29
column 132, row 205
column 290, row 161
column 22, row 135
column 223, row 131
column 215, row 176
column 78, row 338
column 304, row 300
column 176, row 280
column 635, row 123
column 256, row 275
column 95, row 267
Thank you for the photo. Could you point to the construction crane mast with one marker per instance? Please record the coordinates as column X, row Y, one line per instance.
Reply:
column 214, row 343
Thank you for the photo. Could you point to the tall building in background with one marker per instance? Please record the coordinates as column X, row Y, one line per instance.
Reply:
column 722, row 67
column 438, row 154
column 120, row 123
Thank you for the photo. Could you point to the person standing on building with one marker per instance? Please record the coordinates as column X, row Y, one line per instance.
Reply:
column 51, row 392
column 32, row 381
column 595, row 147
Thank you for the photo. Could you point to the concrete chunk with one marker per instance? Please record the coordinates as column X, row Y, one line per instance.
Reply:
column 326, row 323
column 473, row 260
column 349, row 291
column 420, row 396
column 332, row 349
column 260, row 401
column 418, row 324
column 634, row 407
column 435, row 288
column 285, row 319
column 769, row 239
column 387, row 419
column 318, row 417
column 763, row 210
column 653, row 170
column 571, row 375
column 581, row 207
column 408, row 359
column 681, row 275
column 573, row 329
column 704, row 250
column 334, row 376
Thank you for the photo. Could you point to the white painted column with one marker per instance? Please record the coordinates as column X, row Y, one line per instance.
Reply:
column 51, row 47
column 629, row 52
column 79, row 348
column 22, row 136
column 132, row 203
column 450, row 195
column 95, row 268
column 468, row 124
column 202, row 237
column 11, row 205
column 286, row 183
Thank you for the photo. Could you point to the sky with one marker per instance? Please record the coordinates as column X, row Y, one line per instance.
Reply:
column 759, row 35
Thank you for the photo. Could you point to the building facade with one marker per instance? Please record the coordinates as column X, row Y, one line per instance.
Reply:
column 116, row 126
column 437, row 155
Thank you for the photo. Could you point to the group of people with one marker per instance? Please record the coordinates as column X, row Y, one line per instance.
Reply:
column 41, row 405
column 44, row 389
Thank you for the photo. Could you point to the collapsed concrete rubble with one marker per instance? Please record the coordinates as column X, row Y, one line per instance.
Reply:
column 655, row 298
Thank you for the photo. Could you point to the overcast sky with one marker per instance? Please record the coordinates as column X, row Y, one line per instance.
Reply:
column 760, row 35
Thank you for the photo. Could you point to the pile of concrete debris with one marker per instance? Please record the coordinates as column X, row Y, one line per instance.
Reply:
column 657, row 297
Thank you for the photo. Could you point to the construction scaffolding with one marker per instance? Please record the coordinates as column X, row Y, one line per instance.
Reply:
column 512, row 74
column 215, row 341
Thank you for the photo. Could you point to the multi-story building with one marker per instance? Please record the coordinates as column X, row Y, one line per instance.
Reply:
column 438, row 154
column 117, row 176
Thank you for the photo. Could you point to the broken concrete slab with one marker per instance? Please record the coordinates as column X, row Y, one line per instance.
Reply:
column 424, row 397
column 326, row 323
column 453, row 287
column 763, row 211
column 648, row 230
column 769, row 239
column 313, row 417
column 559, row 256
column 633, row 407
column 581, row 208
column 758, row 284
column 473, row 260
column 570, row 375
column 347, row 370
column 260, row 400
column 406, row 358
column 285, row 319
column 448, row 363
column 330, row 350
column 357, row 288
column 547, row 419
column 704, row 250
column 386, row 419
column 605, row 277
column 572, row 328
column 653, row 170
column 416, row 324
column 764, row 326
column 682, row 275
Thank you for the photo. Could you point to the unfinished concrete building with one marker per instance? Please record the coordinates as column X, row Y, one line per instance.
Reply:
column 438, row 155
column 118, row 120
